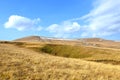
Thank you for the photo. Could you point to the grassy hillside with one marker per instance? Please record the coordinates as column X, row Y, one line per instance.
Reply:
column 71, row 51
column 19, row 63
column 83, row 52
column 90, row 53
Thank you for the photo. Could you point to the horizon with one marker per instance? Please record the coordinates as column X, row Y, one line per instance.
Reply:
column 59, row 38
column 70, row 19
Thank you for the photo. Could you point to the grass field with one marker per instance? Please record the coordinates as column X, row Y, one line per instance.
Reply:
column 29, row 61
column 83, row 52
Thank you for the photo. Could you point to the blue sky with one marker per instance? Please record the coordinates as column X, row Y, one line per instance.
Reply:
column 60, row 18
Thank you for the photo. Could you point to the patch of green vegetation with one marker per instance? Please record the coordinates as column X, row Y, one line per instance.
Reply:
column 66, row 51
column 73, row 51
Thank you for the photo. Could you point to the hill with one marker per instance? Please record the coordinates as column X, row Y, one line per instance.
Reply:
column 98, row 42
column 19, row 63
column 95, row 40
column 41, row 58
column 30, row 38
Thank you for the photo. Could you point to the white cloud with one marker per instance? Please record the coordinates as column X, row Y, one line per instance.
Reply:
column 64, row 30
column 103, row 20
column 22, row 23
column 53, row 28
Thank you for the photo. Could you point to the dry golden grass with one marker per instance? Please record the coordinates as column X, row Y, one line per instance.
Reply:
column 76, row 49
column 17, row 63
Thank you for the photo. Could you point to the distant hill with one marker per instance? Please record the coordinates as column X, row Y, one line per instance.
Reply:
column 94, row 40
column 40, row 38
column 99, row 42
column 30, row 38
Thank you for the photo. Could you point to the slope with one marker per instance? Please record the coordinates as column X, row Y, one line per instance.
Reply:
column 17, row 63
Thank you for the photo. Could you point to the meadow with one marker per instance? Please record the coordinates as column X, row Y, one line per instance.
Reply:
column 45, row 61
